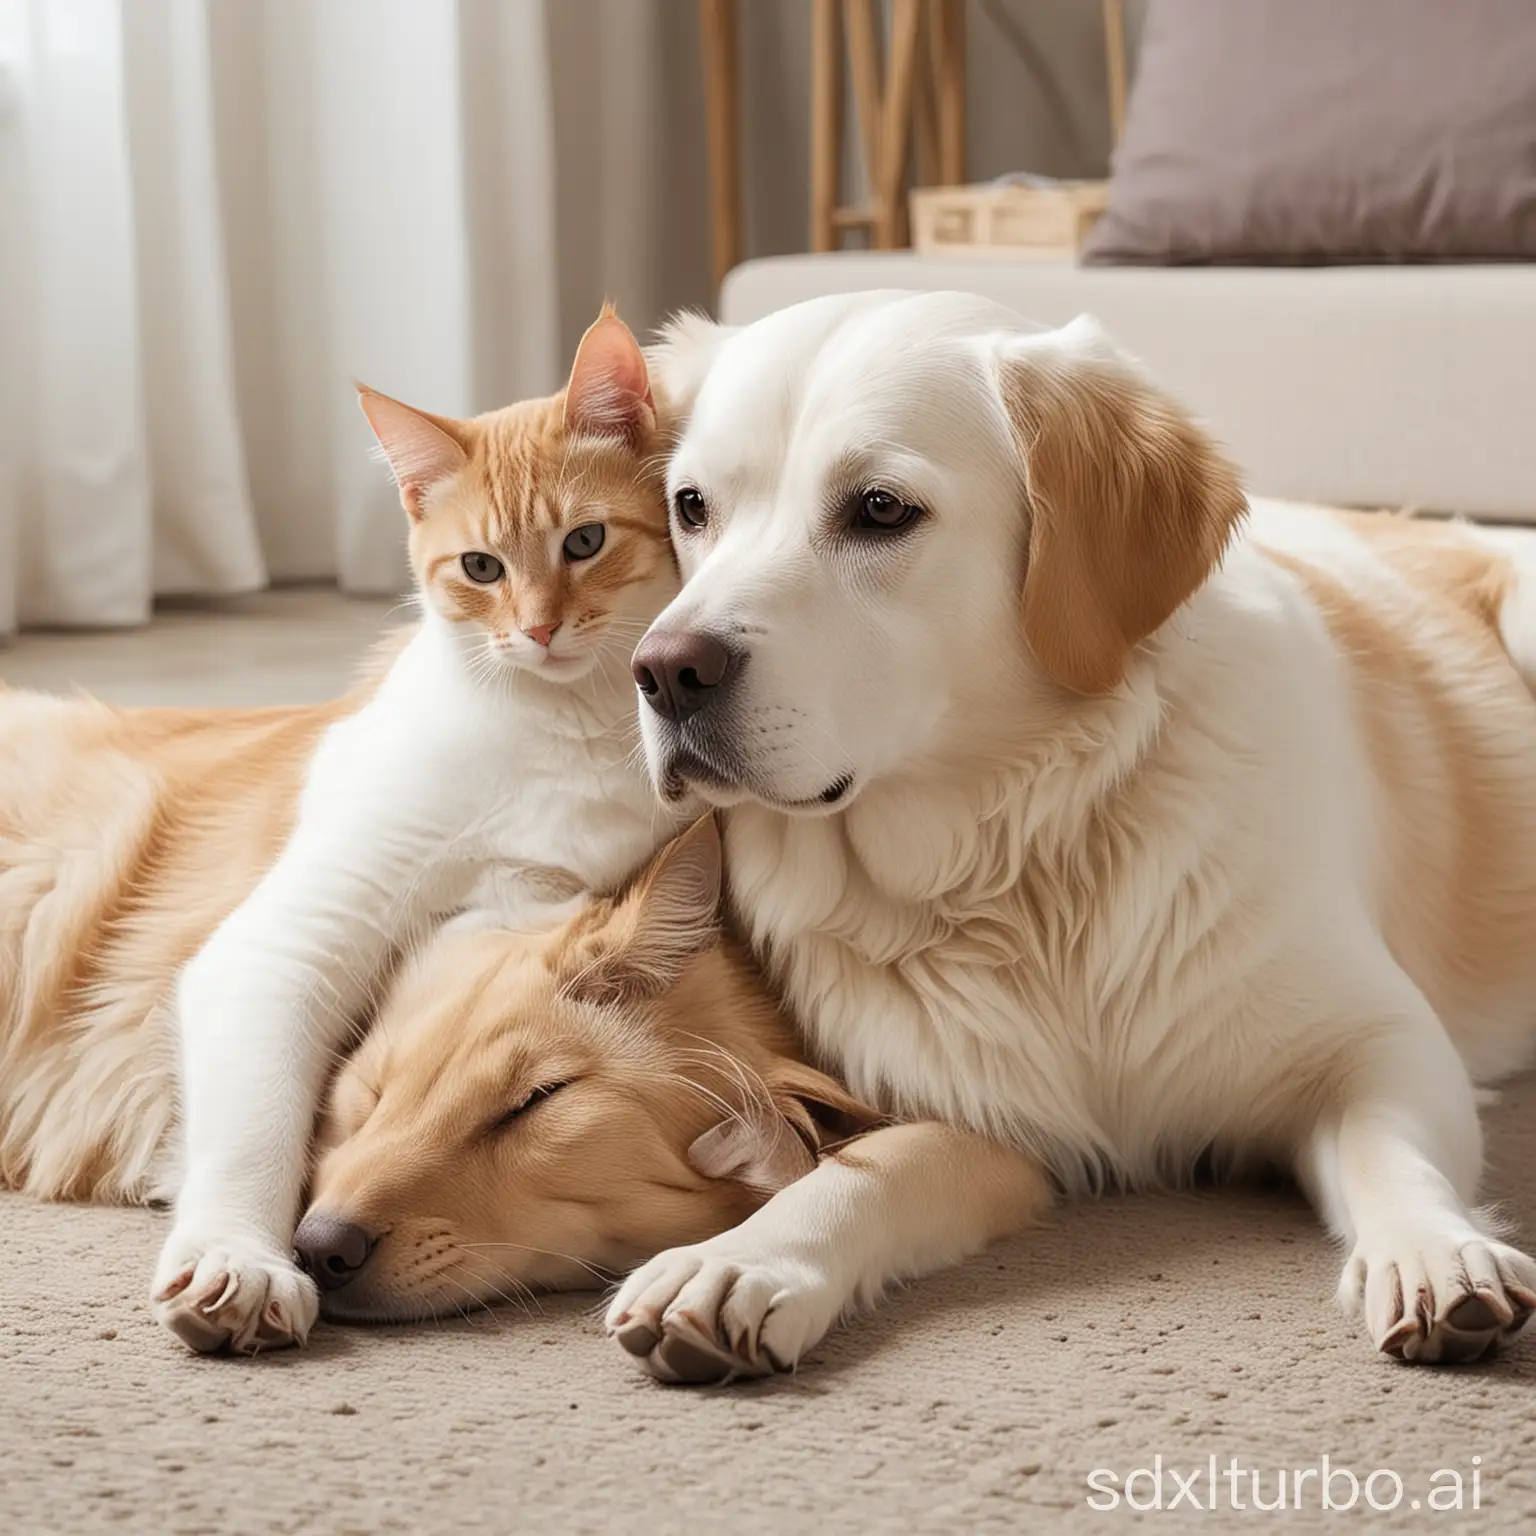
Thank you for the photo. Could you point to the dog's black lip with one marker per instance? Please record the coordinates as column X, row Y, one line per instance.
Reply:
column 830, row 796
column 835, row 790
column 687, row 767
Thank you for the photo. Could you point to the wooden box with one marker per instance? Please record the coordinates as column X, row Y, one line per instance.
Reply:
column 1005, row 221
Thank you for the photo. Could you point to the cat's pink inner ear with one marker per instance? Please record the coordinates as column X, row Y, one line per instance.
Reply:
column 421, row 452
column 609, row 392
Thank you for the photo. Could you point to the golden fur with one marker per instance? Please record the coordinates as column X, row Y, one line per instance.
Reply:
column 493, row 770
column 1215, row 859
column 1165, row 505
column 126, row 838
column 600, row 1174
column 127, row 835
column 1445, row 720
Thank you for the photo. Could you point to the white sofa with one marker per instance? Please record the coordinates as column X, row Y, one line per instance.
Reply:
column 1381, row 386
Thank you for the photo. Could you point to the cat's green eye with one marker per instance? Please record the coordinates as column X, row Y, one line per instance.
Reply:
column 584, row 542
column 481, row 567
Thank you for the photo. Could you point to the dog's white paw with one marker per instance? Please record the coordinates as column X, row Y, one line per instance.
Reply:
column 711, row 1314
column 1440, row 1298
column 232, row 1292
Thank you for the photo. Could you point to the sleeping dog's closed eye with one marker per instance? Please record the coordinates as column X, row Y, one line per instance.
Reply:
column 536, row 1097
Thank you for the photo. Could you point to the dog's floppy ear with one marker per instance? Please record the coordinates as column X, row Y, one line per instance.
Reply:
column 680, row 359
column 775, row 1140
column 668, row 915
column 1131, row 506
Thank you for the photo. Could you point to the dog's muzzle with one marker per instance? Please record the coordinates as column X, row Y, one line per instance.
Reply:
column 682, row 672
column 688, row 678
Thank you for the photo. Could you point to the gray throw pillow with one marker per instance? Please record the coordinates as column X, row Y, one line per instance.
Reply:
column 1285, row 131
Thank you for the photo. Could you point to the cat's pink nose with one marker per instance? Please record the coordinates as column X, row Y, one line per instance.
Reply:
column 541, row 634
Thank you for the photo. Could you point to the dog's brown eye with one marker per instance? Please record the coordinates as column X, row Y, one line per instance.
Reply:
column 481, row 567
column 690, row 507
column 881, row 512
column 537, row 1097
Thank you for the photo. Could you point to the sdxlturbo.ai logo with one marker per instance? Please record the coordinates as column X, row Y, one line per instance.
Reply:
column 1249, row 1489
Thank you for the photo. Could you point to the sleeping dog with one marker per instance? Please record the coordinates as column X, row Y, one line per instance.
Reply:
column 525, row 1109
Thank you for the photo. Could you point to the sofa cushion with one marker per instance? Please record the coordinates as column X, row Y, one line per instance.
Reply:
column 1373, row 386
column 1279, row 131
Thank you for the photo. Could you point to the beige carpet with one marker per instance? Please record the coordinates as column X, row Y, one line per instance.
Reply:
column 1186, row 1328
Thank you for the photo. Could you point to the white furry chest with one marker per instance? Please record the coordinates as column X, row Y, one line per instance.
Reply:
column 578, row 808
column 491, row 798
column 1004, row 1009
column 1078, row 963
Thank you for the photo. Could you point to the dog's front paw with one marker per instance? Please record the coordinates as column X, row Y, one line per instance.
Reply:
column 1441, row 1299
column 232, row 1292
column 711, row 1314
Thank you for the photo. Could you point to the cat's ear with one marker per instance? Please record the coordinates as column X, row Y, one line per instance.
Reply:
column 422, row 450
column 609, row 393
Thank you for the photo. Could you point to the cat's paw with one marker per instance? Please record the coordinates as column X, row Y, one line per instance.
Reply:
column 232, row 1293
column 1439, row 1298
column 711, row 1313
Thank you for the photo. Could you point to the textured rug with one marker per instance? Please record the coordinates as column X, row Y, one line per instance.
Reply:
column 1130, row 1330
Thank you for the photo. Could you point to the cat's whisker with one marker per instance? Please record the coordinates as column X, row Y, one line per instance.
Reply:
column 410, row 603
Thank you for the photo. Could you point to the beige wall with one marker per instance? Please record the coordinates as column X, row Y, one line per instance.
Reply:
column 634, row 210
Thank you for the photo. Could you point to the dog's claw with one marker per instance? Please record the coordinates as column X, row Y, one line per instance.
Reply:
column 637, row 1337
column 1468, row 1297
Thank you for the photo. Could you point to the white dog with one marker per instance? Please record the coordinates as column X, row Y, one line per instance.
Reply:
column 1097, row 835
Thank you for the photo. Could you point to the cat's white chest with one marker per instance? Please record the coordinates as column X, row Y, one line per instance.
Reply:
column 514, row 800
column 576, row 803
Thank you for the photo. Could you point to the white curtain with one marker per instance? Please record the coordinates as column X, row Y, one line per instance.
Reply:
column 213, row 216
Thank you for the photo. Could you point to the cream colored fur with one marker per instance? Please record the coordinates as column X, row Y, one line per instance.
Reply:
column 125, row 838
column 546, row 1110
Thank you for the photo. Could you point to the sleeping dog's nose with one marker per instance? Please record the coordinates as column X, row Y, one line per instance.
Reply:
column 331, row 1251
column 680, row 671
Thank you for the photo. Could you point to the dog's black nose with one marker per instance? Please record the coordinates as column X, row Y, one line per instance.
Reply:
column 330, row 1250
column 680, row 671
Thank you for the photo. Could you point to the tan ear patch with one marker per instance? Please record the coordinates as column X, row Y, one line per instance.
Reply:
column 822, row 1111
column 669, row 914
column 767, row 1145
column 756, row 1147
column 1131, row 508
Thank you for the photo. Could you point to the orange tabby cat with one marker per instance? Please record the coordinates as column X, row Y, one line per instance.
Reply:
column 547, row 535
column 490, row 766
